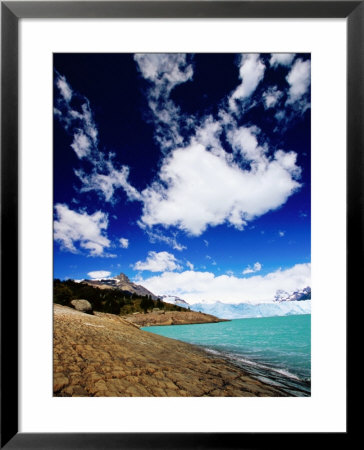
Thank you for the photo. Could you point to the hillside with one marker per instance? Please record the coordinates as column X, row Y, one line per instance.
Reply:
column 109, row 299
column 104, row 355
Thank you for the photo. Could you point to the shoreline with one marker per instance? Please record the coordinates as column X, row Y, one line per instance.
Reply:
column 274, row 376
column 291, row 383
column 105, row 355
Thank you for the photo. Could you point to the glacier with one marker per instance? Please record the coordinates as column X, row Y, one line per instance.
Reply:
column 248, row 310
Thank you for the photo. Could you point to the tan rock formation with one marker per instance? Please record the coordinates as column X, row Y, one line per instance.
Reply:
column 171, row 318
column 82, row 305
column 105, row 355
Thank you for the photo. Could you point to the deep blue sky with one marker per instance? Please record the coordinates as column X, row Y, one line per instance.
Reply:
column 143, row 110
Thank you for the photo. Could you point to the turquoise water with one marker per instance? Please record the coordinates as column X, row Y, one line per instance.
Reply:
column 274, row 349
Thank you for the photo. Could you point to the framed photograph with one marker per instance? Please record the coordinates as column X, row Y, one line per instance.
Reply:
column 169, row 171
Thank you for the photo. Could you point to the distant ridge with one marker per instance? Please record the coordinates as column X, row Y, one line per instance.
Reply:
column 123, row 283
column 172, row 299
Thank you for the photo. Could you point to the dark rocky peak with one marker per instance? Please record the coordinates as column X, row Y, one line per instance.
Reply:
column 122, row 277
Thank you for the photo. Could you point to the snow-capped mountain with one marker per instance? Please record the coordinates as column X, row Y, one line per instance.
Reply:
column 245, row 310
column 174, row 300
column 299, row 295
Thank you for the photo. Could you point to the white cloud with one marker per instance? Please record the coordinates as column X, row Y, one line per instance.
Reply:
column 205, row 286
column 271, row 97
column 158, row 262
column 251, row 72
column 281, row 233
column 164, row 69
column 299, row 79
column 244, row 140
column 78, row 230
column 197, row 189
column 256, row 268
column 124, row 243
column 287, row 161
column 208, row 134
column 284, row 59
column 97, row 274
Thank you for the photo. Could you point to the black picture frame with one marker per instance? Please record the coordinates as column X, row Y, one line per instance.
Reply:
column 11, row 12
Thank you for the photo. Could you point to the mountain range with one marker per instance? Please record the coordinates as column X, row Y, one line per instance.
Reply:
column 284, row 303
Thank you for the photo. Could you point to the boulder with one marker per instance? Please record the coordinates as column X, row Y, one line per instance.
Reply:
column 82, row 305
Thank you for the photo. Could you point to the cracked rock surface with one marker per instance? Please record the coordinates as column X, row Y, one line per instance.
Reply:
column 105, row 355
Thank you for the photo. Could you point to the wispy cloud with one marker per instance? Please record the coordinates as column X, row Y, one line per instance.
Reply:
column 158, row 236
column 108, row 182
column 164, row 72
column 74, row 113
column 271, row 97
column 212, row 261
column 289, row 104
column 64, row 88
column 104, row 177
column 190, row 265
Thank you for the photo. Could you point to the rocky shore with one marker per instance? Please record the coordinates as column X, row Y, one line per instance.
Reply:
column 106, row 355
column 171, row 318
